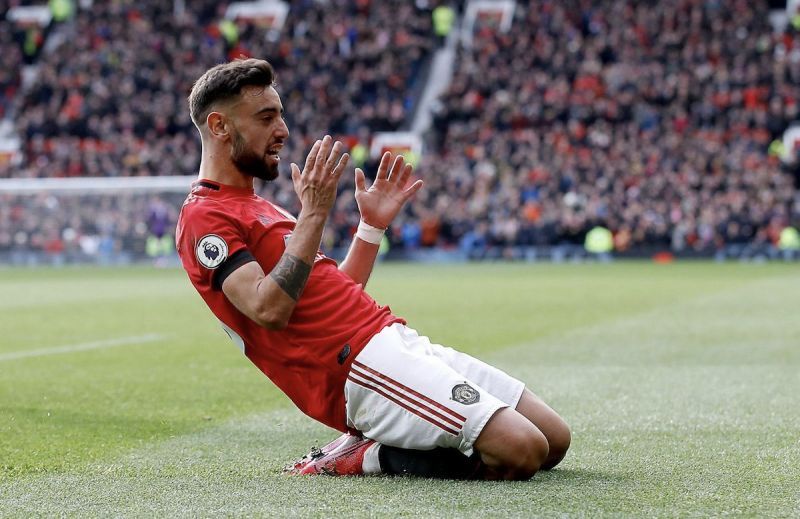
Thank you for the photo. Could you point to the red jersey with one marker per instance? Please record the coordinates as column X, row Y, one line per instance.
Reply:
column 221, row 228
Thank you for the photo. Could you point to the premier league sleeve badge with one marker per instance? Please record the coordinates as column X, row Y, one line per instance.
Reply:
column 211, row 251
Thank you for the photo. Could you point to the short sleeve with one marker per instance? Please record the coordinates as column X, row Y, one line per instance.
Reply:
column 212, row 245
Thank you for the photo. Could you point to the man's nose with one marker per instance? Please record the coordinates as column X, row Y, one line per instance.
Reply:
column 283, row 130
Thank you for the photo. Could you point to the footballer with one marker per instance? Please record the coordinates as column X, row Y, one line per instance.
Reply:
column 403, row 404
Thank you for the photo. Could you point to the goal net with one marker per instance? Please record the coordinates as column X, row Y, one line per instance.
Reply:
column 106, row 221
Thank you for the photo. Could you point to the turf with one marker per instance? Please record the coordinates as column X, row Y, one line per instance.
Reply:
column 680, row 382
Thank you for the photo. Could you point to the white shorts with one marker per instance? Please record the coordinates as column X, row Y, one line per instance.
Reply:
column 406, row 392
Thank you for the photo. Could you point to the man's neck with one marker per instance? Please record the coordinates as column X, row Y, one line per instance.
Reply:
column 223, row 173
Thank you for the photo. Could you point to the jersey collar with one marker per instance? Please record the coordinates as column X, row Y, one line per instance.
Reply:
column 223, row 189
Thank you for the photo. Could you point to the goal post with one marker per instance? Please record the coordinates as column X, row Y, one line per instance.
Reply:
column 88, row 185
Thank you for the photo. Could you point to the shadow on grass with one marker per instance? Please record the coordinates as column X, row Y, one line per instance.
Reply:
column 557, row 477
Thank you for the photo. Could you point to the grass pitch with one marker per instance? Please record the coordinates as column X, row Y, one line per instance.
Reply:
column 120, row 394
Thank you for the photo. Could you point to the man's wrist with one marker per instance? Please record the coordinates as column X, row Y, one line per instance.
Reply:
column 369, row 234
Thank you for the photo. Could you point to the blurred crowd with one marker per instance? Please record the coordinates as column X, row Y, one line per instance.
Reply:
column 11, row 60
column 109, row 228
column 111, row 99
column 653, row 119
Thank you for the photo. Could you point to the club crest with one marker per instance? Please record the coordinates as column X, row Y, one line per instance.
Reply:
column 465, row 394
column 211, row 251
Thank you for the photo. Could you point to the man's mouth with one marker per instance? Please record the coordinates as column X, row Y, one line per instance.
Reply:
column 274, row 152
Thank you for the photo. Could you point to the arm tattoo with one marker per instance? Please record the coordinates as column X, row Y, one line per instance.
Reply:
column 291, row 274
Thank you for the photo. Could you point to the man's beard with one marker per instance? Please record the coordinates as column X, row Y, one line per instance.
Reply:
column 248, row 162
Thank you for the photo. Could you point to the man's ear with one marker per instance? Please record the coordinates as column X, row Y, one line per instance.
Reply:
column 218, row 125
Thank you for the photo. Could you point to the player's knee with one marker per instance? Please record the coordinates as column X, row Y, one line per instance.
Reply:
column 530, row 450
column 559, row 441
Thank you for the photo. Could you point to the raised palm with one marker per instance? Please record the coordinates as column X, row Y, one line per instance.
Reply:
column 380, row 203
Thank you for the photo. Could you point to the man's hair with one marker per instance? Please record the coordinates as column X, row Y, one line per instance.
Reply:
column 224, row 82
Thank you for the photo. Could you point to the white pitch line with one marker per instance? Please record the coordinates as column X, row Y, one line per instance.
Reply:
column 95, row 345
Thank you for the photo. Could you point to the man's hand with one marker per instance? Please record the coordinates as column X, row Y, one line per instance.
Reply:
column 380, row 203
column 316, row 185
column 269, row 300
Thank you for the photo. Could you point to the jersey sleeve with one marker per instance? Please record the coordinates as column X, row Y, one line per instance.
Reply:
column 216, row 245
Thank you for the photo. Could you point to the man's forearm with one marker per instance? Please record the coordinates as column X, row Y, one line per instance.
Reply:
column 294, row 267
column 360, row 260
column 291, row 274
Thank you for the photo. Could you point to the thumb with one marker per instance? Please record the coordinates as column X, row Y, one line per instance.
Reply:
column 360, row 186
column 295, row 173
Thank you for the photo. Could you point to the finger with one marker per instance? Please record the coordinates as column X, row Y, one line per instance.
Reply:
column 324, row 151
column 311, row 159
column 397, row 166
column 412, row 190
column 296, row 175
column 336, row 152
column 360, row 182
column 339, row 169
column 403, row 176
column 383, row 167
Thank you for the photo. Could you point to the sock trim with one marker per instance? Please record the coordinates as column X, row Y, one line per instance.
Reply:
column 372, row 463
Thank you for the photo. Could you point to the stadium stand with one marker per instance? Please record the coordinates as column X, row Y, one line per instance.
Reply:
column 10, row 62
column 110, row 101
column 654, row 119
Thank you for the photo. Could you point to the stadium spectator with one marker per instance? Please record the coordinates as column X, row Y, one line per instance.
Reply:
column 443, row 17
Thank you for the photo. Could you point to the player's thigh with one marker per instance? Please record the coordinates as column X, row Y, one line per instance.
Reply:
column 509, row 390
column 503, row 386
column 400, row 395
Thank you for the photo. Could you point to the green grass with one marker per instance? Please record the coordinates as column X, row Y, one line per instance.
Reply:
column 681, row 383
